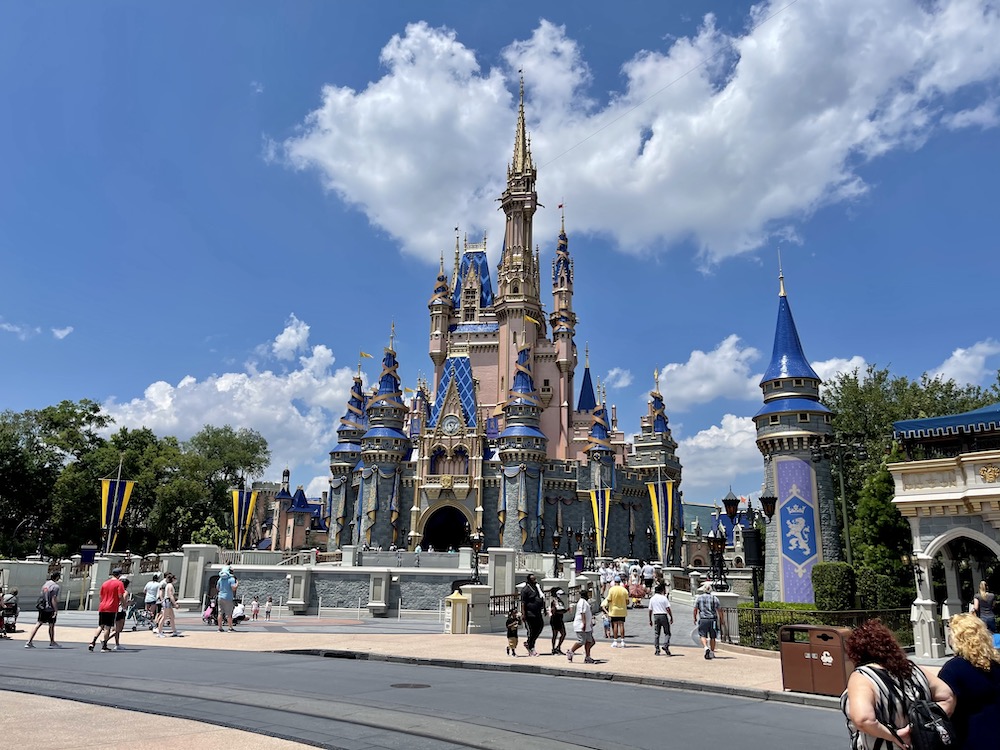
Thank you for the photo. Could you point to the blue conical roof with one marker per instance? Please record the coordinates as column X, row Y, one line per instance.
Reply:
column 587, row 400
column 523, row 389
column 599, row 440
column 476, row 263
column 659, row 414
column 562, row 263
column 787, row 359
column 354, row 418
column 389, row 392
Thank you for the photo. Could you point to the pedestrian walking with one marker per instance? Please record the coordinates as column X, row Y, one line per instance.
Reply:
column 112, row 599
column 973, row 675
column 648, row 574
column 532, row 605
column 512, row 624
column 661, row 617
column 874, row 701
column 169, row 603
column 254, row 608
column 706, row 616
column 583, row 626
column 227, row 597
column 48, row 609
column 617, row 606
column 557, row 611
column 984, row 605
column 605, row 574
column 149, row 596
column 267, row 608
column 121, row 615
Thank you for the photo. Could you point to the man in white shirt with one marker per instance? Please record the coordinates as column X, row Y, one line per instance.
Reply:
column 583, row 626
column 150, row 591
column 660, row 619
column 606, row 574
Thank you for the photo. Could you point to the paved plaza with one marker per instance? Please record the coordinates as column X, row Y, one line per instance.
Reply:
column 387, row 678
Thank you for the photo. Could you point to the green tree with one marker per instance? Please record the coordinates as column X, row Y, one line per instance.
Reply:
column 28, row 470
column 210, row 533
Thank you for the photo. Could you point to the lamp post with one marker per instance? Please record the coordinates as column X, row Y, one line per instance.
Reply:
column 591, row 546
column 717, row 551
column 556, row 544
column 631, row 542
column 836, row 451
column 649, row 539
column 578, row 555
column 541, row 535
column 477, row 544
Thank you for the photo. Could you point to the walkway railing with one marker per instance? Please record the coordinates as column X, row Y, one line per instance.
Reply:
column 759, row 627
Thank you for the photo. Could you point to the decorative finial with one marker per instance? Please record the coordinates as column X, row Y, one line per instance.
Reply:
column 562, row 217
column 656, row 379
column 392, row 335
column 781, row 277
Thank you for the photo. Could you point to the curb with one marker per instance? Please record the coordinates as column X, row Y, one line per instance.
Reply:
column 801, row 699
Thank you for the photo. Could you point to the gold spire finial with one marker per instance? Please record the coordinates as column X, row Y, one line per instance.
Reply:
column 781, row 277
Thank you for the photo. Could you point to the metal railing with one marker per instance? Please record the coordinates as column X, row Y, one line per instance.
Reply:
column 759, row 627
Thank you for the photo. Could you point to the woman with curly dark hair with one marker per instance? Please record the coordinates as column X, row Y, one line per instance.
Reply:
column 974, row 677
column 873, row 699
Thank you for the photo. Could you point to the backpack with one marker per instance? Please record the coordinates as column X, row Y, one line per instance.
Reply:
column 43, row 604
column 930, row 727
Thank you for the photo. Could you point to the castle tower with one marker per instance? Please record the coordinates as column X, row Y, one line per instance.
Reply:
column 441, row 310
column 383, row 448
column 343, row 459
column 791, row 423
column 518, row 300
column 563, row 321
column 522, row 448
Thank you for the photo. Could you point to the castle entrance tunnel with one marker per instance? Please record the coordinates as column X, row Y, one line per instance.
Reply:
column 446, row 528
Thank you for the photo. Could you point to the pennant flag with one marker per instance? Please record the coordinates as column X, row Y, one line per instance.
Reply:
column 531, row 320
column 365, row 355
column 115, row 494
column 244, row 502
column 408, row 390
column 560, row 205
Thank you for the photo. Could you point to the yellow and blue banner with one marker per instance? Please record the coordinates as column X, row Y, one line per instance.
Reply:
column 665, row 515
column 244, row 502
column 115, row 494
column 601, row 502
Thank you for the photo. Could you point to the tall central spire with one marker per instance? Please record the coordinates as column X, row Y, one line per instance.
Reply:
column 522, row 146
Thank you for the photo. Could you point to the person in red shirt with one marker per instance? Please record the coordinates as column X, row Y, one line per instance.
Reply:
column 112, row 597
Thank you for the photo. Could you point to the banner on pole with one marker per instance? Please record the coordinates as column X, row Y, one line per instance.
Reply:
column 244, row 502
column 115, row 494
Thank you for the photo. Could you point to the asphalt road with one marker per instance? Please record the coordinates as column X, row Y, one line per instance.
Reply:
column 362, row 705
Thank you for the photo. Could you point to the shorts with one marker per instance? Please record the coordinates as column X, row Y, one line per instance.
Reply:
column 512, row 641
column 106, row 619
column 617, row 619
column 556, row 623
column 647, row 582
column 226, row 607
column 707, row 628
column 583, row 637
column 119, row 617
column 167, row 604
column 46, row 616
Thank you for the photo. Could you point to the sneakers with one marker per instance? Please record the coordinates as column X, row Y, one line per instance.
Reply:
column 588, row 660
column 533, row 652
column 569, row 656
column 614, row 644
column 708, row 653
column 29, row 644
column 621, row 644
column 656, row 653
column 53, row 645
column 666, row 652
column 92, row 644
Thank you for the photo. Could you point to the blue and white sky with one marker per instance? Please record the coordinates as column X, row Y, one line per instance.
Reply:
column 207, row 210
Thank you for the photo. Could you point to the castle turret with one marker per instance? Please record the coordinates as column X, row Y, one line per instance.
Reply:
column 383, row 448
column 563, row 321
column 343, row 460
column 441, row 309
column 790, row 424
column 521, row 446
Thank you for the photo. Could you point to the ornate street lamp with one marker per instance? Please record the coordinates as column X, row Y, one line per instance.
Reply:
column 556, row 544
column 717, row 551
column 837, row 451
column 591, row 545
column 541, row 535
column 649, row 539
column 477, row 545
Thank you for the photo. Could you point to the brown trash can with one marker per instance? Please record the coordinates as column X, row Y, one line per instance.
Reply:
column 813, row 659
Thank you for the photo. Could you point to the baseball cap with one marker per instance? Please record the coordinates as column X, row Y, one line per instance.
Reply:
column 116, row 572
column 618, row 579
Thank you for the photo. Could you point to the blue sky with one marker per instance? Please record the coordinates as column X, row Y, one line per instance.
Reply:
column 207, row 211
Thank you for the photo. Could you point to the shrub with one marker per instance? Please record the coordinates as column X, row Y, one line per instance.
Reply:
column 868, row 588
column 833, row 586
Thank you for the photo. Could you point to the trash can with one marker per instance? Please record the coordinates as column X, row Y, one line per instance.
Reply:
column 456, row 613
column 813, row 659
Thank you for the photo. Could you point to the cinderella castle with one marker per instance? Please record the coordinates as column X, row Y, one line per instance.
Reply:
column 504, row 447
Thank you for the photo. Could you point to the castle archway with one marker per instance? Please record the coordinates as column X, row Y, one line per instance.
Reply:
column 446, row 527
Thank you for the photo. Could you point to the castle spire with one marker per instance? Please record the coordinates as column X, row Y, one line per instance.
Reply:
column 522, row 146
column 787, row 358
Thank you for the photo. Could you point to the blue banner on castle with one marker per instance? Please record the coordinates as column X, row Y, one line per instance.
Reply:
column 798, row 530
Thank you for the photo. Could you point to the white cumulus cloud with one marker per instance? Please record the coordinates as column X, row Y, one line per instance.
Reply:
column 61, row 333
column 723, row 372
column 724, row 139
column 721, row 455
column 968, row 366
column 618, row 377
column 296, row 409
column 830, row 368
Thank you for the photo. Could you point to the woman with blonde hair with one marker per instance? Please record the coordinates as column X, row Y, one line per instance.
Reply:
column 983, row 605
column 973, row 675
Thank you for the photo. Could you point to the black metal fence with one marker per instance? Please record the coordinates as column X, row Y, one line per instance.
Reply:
column 759, row 627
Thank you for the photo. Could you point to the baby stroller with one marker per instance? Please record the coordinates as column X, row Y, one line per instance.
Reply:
column 9, row 620
column 139, row 616
column 211, row 614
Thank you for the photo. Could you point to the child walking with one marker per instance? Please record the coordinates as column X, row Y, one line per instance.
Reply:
column 513, row 623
